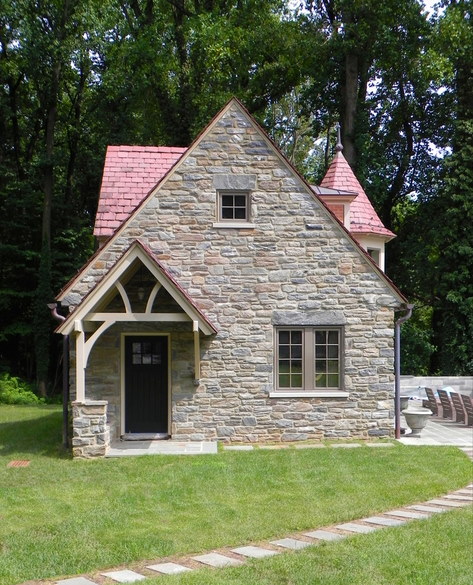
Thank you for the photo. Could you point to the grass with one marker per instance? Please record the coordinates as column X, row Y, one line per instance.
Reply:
column 62, row 517
column 421, row 553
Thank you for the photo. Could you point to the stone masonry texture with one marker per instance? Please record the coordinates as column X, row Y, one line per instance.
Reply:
column 243, row 280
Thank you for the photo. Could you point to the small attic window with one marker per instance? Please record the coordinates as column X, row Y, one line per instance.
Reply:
column 233, row 206
column 375, row 254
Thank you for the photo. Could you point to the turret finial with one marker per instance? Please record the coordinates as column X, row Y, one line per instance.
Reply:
column 339, row 145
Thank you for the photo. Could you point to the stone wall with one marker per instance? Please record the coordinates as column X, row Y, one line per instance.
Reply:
column 462, row 384
column 293, row 258
column 90, row 432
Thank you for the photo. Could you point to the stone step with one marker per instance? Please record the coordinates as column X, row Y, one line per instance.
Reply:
column 352, row 527
column 381, row 521
column 324, row 535
column 254, row 552
column 124, row 576
column 217, row 560
column 291, row 543
column 168, row 568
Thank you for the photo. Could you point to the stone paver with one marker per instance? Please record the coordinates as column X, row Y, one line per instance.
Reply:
column 254, row 552
column 381, row 521
column 461, row 497
column 291, row 543
column 466, row 491
column 76, row 581
column 428, row 509
column 124, row 576
column 311, row 446
column 352, row 527
column 238, row 448
column 168, row 568
column 217, row 560
column 345, row 445
column 131, row 448
column 447, row 503
column 380, row 444
column 273, row 447
column 324, row 535
column 406, row 514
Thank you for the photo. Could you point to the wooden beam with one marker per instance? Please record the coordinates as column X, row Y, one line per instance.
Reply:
column 123, row 294
column 195, row 329
column 80, row 366
column 123, row 317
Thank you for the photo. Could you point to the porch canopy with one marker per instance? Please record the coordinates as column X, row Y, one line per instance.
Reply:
column 136, row 289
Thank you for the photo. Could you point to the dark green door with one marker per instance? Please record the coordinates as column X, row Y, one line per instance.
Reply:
column 146, row 384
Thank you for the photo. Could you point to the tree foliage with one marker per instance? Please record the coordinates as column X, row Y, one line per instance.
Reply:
column 77, row 75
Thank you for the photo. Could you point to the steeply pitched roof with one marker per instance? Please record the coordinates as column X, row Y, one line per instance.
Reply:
column 364, row 219
column 180, row 155
column 130, row 172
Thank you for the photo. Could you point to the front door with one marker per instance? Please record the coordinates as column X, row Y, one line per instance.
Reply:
column 146, row 384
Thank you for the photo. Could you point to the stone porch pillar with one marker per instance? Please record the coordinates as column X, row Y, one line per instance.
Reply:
column 90, row 432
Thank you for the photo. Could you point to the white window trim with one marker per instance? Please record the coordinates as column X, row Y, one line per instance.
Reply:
column 235, row 223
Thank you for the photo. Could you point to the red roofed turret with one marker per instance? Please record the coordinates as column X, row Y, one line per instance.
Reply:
column 365, row 225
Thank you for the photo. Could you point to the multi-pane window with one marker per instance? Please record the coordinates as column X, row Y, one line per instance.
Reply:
column 290, row 359
column 309, row 358
column 233, row 206
column 327, row 358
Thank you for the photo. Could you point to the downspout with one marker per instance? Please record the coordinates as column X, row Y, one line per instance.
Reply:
column 397, row 369
column 65, row 377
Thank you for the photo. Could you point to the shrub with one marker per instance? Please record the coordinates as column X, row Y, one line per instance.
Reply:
column 16, row 391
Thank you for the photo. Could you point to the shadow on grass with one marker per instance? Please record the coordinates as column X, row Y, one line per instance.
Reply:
column 32, row 431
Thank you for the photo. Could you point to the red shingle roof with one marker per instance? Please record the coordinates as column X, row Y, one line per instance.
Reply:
column 363, row 217
column 130, row 172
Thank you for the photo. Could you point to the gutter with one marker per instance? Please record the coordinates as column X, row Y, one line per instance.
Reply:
column 65, row 376
column 397, row 368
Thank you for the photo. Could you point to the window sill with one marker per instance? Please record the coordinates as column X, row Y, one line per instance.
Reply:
column 234, row 224
column 309, row 394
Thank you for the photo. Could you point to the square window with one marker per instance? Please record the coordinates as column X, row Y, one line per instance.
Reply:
column 233, row 206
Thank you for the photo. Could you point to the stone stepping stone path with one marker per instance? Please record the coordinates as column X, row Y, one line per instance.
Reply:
column 391, row 518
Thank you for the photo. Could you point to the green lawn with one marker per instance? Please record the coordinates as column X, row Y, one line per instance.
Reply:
column 61, row 517
column 432, row 552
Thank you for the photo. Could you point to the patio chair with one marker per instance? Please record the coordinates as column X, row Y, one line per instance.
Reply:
column 431, row 401
column 447, row 410
column 458, row 406
column 468, row 404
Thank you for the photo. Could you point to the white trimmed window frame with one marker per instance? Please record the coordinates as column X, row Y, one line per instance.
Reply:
column 234, row 207
column 300, row 341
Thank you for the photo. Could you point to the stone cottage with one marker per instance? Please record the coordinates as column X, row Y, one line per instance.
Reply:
column 229, row 299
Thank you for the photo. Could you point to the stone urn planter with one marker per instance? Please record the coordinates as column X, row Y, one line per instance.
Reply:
column 404, row 402
column 416, row 419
